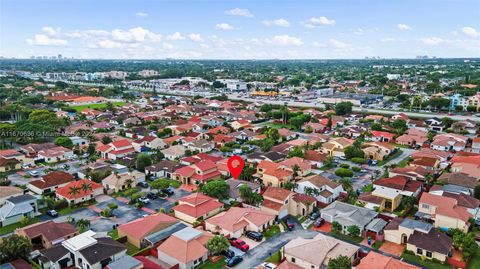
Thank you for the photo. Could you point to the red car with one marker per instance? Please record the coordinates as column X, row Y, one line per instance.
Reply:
column 239, row 243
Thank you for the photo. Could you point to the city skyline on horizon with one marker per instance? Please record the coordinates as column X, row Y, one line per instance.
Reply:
column 239, row 30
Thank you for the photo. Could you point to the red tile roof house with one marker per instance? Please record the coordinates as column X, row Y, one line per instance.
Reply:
column 380, row 136
column 116, row 149
column 55, row 154
column 305, row 167
column 150, row 142
column 444, row 211
column 137, row 230
column 197, row 206
column 282, row 202
column 68, row 192
column 185, row 249
column 221, row 139
column 400, row 184
column 197, row 173
column 31, row 150
column 412, row 172
column 430, row 164
column 50, row 182
column 48, row 233
column 236, row 221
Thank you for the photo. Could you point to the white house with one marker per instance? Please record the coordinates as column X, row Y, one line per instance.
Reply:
column 327, row 191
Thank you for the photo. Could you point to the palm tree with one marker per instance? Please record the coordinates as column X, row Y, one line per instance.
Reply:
column 428, row 179
column 295, row 169
column 74, row 191
column 346, row 184
column 83, row 224
column 86, row 187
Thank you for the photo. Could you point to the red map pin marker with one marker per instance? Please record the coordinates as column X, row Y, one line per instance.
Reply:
column 237, row 169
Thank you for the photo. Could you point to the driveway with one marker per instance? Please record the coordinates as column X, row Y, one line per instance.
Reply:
column 264, row 250
column 405, row 153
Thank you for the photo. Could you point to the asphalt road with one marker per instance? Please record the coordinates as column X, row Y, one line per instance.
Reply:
column 355, row 109
column 17, row 179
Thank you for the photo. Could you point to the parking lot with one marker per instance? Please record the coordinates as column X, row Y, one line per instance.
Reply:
column 166, row 203
column 123, row 214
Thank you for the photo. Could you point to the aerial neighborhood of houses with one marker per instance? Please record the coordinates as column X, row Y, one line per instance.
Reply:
column 143, row 180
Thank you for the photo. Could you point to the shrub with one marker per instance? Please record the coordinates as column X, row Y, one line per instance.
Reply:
column 342, row 172
column 359, row 160
column 409, row 252
column 356, row 169
column 345, row 165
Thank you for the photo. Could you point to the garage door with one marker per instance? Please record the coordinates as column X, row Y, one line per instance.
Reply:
column 282, row 214
column 327, row 218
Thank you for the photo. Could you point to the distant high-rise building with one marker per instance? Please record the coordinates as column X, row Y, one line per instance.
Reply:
column 59, row 56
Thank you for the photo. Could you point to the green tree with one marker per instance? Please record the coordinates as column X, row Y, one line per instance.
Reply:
column 343, row 108
column 106, row 140
column 247, row 173
column 353, row 230
column 85, row 187
column 216, row 188
column 439, row 102
column 336, row 227
column 273, row 134
column 476, row 192
column 74, row 191
column 248, row 196
column 91, row 149
column 160, row 184
column 469, row 246
column 217, row 244
column 83, row 225
column 15, row 247
column 143, row 160
column 266, row 108
column 340, row 262
column 64, row 142
column 289, row 185
column 296, row 152
column 267, row 144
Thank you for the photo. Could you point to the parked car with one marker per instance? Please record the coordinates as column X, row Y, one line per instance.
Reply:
column 152, row 195
column 314, row 216
column 239, row 243
column 144, row 200
column 254, row 235
column 86, row 155
column 234, row 261
column 228, row 254
column 169, row 191
column 268, row 265
column 142, row 184
column 34, row 173
column 319, row 222
column 52, row 213
column 290, row 225
column 25, row 166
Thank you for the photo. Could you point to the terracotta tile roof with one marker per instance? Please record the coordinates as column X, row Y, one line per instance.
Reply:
column 320, row 181
column 424, row 161
column 206, row 165
column 272, row 205
column 400, row 183
column 197, row 204
column 370, row 198
column 277, row 193
column 140, row 228
column 237, row 218
column 446, row 206
column 65, row 190
column 286, row 265
column 52, row 179
column 121, row 143
column 9, row 190
column 50, row 230
column 303, row 198
column 181, row 250
column 376, row 260
column 300, row 162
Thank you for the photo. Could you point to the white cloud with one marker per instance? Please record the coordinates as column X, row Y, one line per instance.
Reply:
column 45, row 40
column 109, row 44
column 432, row 41
column 175, row 36
column 278, row 22
column 318, row 44
column 239, row 12
column 141, row 14
column 137, row 34
column 224, row 26
column 470, row 31
column 315, row 22
column 50, row 30
column 403, row 26
column 388, row 39
column 338, row 44
column 284, row 40
column 167, row 46
column 195, row 37
column 204, row 46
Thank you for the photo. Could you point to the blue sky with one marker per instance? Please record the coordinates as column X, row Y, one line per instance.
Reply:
column 242, row 29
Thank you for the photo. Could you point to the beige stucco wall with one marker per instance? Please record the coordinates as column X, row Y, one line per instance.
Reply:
column 435, row 255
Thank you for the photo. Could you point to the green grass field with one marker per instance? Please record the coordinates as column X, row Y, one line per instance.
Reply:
column 95, row 106
column 214, row 265
column 10, row 228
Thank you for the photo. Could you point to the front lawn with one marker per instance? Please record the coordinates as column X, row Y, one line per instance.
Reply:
column 10, row 228
column 113, row 234
column 475, row 260
column 222, row 263
column 275, row 258
column 301, row 219
column 174, row 183
column 131, row 249
column 346, row 237
column 390, row 157
column 377, row 245
column 271, row 231
column 427, row 263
